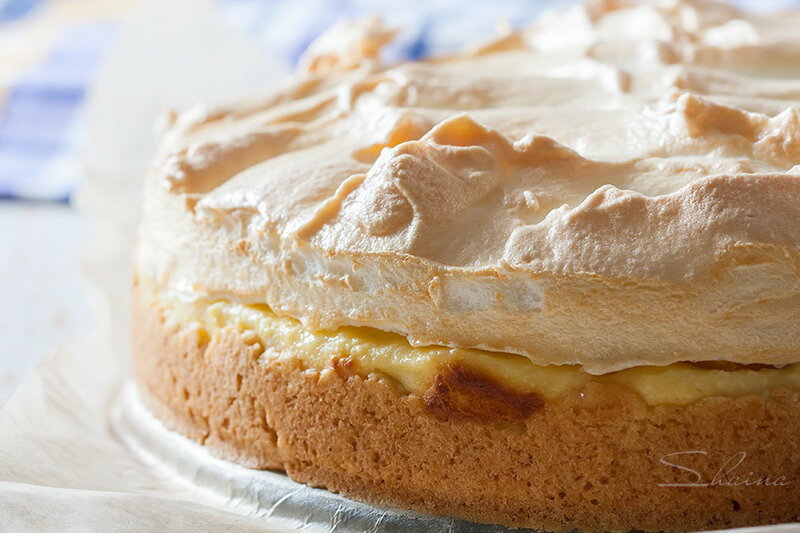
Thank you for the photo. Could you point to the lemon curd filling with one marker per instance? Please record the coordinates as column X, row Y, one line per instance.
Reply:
column 371, row 350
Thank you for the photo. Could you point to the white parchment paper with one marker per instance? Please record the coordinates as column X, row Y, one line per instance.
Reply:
column 62, row 466
column 77, row 450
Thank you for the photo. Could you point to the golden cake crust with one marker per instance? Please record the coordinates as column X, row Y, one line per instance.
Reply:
column 594, row 460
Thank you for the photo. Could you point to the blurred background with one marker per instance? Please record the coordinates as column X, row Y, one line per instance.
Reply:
column 82, row 81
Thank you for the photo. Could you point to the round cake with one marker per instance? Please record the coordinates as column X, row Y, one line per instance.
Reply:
column 550, row 282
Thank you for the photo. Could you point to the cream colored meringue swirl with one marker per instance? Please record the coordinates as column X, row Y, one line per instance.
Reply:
column 615, row 186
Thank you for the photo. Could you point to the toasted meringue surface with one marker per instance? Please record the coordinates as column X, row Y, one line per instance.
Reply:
column 615, row 186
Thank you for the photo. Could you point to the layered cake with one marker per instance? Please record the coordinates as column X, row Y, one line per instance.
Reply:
column 550, row 282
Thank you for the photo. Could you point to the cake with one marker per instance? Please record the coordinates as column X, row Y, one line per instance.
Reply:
column 552, row 281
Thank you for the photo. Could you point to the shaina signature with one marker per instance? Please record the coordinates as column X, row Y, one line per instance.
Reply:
column 730, row 474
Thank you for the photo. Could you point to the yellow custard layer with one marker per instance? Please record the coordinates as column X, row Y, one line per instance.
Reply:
column 372, row 350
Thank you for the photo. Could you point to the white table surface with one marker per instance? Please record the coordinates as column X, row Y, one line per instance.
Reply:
column 43, row 297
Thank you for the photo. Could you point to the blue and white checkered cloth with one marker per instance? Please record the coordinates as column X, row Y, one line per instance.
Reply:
column 50, row 49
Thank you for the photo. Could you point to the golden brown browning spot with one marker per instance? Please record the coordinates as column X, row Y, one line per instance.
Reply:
column 243, row 247
column 459, row 393
column 344, row 366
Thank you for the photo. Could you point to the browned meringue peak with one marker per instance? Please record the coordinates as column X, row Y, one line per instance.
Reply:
column 698, row 32
column 546, row 194
column 775, row 140
column 646, row 238
column 456, row 196
column 347, row 45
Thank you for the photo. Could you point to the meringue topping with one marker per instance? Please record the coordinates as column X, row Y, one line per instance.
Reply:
column 614, row 186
